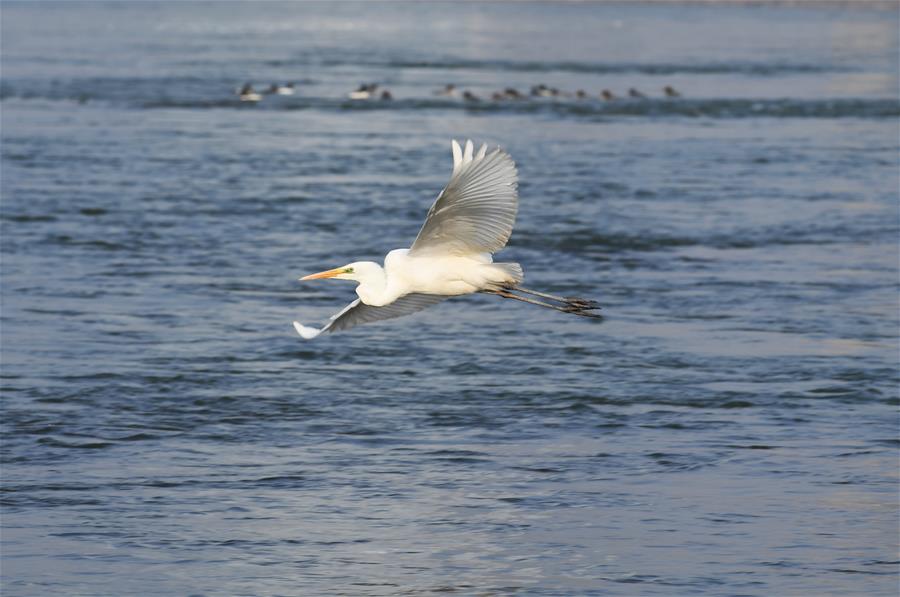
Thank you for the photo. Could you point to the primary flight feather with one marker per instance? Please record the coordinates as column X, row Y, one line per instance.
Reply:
column 471, row 219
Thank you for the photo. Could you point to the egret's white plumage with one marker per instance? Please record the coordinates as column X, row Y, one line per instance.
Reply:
column 452, row 255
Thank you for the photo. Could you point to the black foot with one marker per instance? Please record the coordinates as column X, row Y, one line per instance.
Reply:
column 581, row 303
column 583, row 313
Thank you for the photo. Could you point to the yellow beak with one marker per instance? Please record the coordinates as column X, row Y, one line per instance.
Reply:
column 327, row 274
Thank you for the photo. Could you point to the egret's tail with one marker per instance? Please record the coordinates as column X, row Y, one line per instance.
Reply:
column 510, row 274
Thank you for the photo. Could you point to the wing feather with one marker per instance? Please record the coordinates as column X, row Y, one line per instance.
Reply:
column 476, row 211
column 358, row 313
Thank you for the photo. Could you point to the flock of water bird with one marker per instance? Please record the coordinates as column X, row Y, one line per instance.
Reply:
column 373, row 91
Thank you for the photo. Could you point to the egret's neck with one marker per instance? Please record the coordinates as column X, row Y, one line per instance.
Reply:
column 372, row 287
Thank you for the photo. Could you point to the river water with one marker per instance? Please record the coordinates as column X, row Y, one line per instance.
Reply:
column 730, row 427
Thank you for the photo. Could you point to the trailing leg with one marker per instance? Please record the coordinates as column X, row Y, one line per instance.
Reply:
column 575, row 302
column 563, row 309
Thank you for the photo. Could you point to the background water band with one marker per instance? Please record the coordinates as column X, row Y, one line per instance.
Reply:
column 731, row 428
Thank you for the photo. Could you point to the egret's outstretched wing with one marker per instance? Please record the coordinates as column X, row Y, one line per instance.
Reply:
column 476, row 211
column 357, row 313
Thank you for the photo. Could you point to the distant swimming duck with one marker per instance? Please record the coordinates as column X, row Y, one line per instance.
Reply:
column 670, row 91
column 287, row 89
column 248, row 94
column 607, row 95
column 581, row 94
column 632, row 92
column 470, row 97
column 386, row 95
column 364, row 91
column 448, row 90
column 542, row 90
column 498, row 96
column 512, row 93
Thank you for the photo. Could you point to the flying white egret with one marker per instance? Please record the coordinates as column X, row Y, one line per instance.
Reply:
column 470, row 220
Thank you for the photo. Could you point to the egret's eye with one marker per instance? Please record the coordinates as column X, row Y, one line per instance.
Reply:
column 349, row 270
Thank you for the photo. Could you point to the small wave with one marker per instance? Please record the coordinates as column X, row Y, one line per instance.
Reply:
column 589, row 242
column 567, row 66
column 88, row 445
column 26, row 218
column 105, row 245
column 700, row 108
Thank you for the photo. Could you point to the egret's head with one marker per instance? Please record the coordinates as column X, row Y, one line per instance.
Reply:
column 358, row 270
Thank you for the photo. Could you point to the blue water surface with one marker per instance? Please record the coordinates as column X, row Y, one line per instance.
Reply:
column 730, row 428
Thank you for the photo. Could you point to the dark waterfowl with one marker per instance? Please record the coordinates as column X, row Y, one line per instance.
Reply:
column 542, row 90
column 449, row 90
column 670, row 91
column 364, row 91
column 248, row 94
column 286, row 89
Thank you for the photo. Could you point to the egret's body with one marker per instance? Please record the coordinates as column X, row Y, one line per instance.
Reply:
column 446, row 275
column 470, row 220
